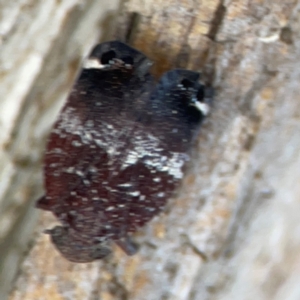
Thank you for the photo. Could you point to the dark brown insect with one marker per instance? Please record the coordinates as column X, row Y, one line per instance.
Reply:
column 116, row 152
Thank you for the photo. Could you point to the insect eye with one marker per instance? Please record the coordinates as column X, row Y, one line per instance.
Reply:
column 187, row 83
column 108, row 56
column 200, row 94
column 128, row 60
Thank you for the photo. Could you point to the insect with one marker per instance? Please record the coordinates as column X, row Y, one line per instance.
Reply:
column 117, row 151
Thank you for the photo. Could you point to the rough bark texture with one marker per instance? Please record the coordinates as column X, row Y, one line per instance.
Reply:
column 233, row 232
column 42, row 44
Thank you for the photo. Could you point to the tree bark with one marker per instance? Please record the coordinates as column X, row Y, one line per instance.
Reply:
column 233, row 231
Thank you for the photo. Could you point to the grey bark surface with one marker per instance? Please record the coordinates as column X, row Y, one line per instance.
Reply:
column 232, row 232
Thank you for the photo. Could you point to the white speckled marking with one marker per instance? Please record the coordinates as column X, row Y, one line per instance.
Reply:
column 203, row 107
column 134, row 194
column 93, row 63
